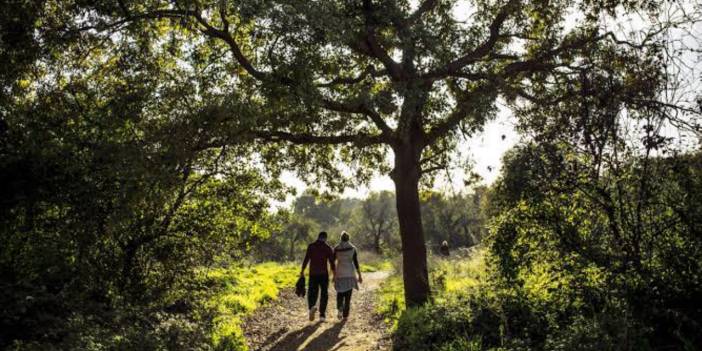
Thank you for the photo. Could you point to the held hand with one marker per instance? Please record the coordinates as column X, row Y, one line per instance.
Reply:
column 360, row 279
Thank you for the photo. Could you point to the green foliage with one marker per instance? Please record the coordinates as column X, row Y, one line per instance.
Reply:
column 239, row 292
column 451, row 278
column 110, row 203
column 140, row 141
column 606, row 257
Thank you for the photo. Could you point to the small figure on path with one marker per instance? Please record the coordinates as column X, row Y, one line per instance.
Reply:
column 444, row 249
column 344, row 278
column 317, row 255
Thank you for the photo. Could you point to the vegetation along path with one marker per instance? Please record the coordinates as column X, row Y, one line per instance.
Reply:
column 283, row 325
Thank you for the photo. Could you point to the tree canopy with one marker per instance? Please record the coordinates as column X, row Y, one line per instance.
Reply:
column 136, row 132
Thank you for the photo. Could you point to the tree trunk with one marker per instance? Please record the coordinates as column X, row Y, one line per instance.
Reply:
column 406, row 176
column 376, row 242
column 293, row 240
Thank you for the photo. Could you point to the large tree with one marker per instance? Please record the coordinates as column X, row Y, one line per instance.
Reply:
column 356, row 79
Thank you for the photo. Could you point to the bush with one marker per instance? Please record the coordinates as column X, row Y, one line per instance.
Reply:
column 473, row 309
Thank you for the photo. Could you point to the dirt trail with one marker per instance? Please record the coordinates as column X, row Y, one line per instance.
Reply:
column 283, row 325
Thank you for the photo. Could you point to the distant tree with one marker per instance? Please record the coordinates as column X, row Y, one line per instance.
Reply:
column 300, row 230
column 378, row 217
column 321, row 208
column 459, row 219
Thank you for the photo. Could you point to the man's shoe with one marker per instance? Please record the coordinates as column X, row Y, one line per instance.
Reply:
column 322, row 319
column 312, row 312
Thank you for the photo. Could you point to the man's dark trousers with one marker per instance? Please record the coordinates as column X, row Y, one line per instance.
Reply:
column 318, row 285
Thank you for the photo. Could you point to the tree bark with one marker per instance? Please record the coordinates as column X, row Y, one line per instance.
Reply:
column 406, row 176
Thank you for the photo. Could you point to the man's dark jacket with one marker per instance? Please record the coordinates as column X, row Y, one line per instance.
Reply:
column 318, row 254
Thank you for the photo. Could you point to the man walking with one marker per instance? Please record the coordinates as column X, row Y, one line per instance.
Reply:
column 319, row 253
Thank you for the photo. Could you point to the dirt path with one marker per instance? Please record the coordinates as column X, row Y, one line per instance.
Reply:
column 284, row 325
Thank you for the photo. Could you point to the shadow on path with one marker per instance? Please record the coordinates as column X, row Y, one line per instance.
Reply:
column 282, row 326
column 328, row 340
column 273, row 337
column 291, row 341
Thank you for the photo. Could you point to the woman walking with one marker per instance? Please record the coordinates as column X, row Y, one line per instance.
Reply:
column 345, row 280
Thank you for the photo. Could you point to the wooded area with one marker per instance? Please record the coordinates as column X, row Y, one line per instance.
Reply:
column 142, row 145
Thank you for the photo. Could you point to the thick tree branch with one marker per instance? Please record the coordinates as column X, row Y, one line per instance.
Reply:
column 274, row 136
column 360, row 108
column 236, row 51
column 433, row 169
column 370, row 46
column 370, row 71
column 326, row 103
column 223, row 34
column 484, row 49
column 463, row 109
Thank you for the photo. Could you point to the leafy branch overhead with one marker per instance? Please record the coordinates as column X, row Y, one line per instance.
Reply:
column 348, row 66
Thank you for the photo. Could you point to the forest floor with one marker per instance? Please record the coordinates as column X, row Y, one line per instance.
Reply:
column 284, row 325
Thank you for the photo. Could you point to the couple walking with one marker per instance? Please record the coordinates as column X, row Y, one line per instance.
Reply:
column 343, row 261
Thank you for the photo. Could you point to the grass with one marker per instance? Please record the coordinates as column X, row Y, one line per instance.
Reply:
column 376, row 267
column 450, row 277
column 241, row 291
column 458, row 275
column 373, row 262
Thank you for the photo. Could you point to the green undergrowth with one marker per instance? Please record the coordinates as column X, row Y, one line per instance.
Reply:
column 450, row 278
column 241, row 291
column 372, row 262
column 549, row 309
column 376, row 266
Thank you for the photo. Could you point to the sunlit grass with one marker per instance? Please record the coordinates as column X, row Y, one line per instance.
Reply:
column 374, row 262
column 449, row 277
column 385, row 265
column 460, row 274
column 391, row 298
column 242, row 291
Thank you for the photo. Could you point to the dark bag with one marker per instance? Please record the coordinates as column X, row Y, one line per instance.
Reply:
column 300, row 287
